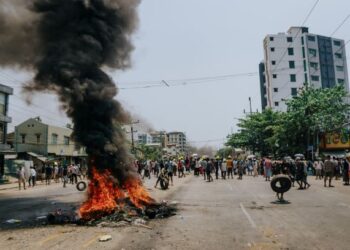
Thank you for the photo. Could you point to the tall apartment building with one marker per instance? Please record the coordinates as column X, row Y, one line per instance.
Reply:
column 179, row 139
column 296, row 58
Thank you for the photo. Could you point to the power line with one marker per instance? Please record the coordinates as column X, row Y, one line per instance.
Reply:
column 340, row 25
column 293, row 40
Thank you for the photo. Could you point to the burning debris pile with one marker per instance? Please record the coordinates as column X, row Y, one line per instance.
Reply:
column 123, row 216
column 67, row 43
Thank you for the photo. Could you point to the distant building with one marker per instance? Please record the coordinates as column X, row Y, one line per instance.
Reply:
column 42, row 142
column 296, row 58
column 144, row 139
column 5, row 149
column 179, row 139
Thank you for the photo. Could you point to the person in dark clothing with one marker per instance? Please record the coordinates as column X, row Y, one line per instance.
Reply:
column 209, row 168
column 65, row 175
column 216, row 164
column 48, row 174
column 345, row 170
column 299, row 173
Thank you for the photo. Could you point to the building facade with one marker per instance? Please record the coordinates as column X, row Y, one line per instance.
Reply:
column 179, row 139
column 5, row 150
column 42, row 141
column 296, row 58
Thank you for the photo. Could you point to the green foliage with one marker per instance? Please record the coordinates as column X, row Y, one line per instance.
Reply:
column 149, row 153
column 309, row 114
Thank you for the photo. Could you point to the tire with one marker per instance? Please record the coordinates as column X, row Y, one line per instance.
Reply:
column 281, row 183
column 81, row 186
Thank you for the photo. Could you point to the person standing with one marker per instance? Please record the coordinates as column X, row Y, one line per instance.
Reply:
column 209, row 168
column 223, row 169
column 32, row 177
column 240, row 169
column 21, row 178
column 216, row 164
column 329, row 167
column 255, row 168
column 267, row 169
column 229, row 165
column 204, row 164
column 345, row 171
column 65, row 175
column 318, row 165
column 48, row 174
column 169, row 167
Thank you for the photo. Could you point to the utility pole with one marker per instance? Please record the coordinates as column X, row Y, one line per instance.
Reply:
column 250, row 105
column 132, row 132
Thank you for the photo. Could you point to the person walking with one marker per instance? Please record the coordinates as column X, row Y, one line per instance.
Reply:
column 204, row 164
column 318, row 165
column 240, row 169
column 21, row 178
column 216, row 164
column 229, row 165
column 329, row 167
column 65, row 175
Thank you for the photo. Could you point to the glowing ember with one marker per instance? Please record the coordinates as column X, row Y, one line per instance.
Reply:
column 104, row 197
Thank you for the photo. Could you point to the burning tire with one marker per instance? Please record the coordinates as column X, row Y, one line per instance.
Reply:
column 81, row 186
column 281, row 183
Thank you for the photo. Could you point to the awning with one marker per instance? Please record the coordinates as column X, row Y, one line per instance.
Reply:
column 39, row 157
column 10, row 156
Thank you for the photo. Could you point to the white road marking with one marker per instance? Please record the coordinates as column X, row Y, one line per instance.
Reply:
column 252, row 223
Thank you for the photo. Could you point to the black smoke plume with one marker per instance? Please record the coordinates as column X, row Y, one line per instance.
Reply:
column 71, row 41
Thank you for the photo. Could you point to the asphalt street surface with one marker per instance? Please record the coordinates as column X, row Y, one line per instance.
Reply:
column 224, row 214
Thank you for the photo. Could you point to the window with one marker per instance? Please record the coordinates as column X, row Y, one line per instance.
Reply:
column 66, row 140
column 37, row 138
column 338, row 55
column 291, row 64
column 311, row 38
column 340, row 81
column 290, row 51
column 54, row 138
column 274, row 76
column 272, row 49
column 312, row 52
column 302, row 40
column 303, row 52
column 2, row 104
column 275, row 90
column 293, row 78
column 276, row 104
column 315, row 78
column 23, row 137
column 2, row 132
column 339, row 68
column 314, row 65
column 336, row 43
column 271, row 38
column 273, row 62
column 304, row 65
column 289, row 39
column 294, row 91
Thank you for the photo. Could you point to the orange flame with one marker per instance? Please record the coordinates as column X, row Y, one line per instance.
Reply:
column 137, row 193
column 104, row 197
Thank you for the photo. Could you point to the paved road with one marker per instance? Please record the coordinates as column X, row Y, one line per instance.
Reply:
column 225, row 214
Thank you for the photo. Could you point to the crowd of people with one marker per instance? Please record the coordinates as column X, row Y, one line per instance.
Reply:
column 298, row 169
column 50, row 172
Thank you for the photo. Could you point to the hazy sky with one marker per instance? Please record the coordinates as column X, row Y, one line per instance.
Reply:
column 185, row 39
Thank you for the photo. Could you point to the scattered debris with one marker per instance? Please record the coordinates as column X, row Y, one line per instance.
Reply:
column 104, row 238
column 10, row 238
column 13, row 221
column 41, row 217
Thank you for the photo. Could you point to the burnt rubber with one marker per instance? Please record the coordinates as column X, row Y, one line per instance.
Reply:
column 281, row 183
